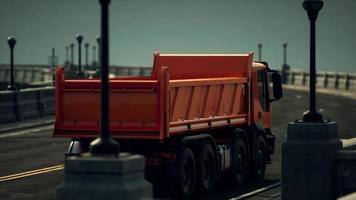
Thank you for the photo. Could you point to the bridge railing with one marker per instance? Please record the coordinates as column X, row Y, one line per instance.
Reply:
column 327, row 80
column 26, row 74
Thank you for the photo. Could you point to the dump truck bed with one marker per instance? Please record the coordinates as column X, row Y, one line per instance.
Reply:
column 185, row 93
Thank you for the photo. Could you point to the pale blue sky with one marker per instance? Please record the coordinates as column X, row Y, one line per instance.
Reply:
column 141, row 27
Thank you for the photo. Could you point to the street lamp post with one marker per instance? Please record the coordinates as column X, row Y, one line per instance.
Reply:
column 285, row 53
column 86, row 54
column 53, row 65
column 312, row 7
column 285, row 66
column 98, row 40
column 12, row 42
column 71, row 54
column 79, row 40
column 67, row 55
column 310, row 149
column 260, row 52
column 104, row 144
column 94, row 63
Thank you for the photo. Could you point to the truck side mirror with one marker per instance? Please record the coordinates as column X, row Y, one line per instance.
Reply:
column 277, row 86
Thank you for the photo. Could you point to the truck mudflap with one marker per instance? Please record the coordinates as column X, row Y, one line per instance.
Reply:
column 270, row 140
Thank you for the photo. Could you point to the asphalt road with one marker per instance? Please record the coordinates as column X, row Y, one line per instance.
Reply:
column 37, row 149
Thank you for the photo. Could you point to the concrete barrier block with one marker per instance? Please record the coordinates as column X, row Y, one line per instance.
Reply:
column 19, row 76
column 2, row 74
column 28, row 103
column 46, row 101
column 320, row 80
column 8, row 106
column 7, row 75
column 123, row 71
column 346, row 172
column 146, row 71
column 37, row 76
column 135, row 71
column 308, row 161
column 27, row 76
column 352, row 85
column 47, row 76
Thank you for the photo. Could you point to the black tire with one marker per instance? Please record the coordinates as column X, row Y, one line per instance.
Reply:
column 187, row 174
column 259, row 161
column 239, row 160
column 206, row 169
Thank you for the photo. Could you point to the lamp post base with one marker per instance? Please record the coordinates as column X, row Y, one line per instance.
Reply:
column 312, row 116
column 104, row 147
column 96, row 178
column 308, row 161
column 11, row 87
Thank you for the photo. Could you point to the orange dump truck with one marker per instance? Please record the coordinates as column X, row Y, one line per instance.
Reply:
column 198, row 116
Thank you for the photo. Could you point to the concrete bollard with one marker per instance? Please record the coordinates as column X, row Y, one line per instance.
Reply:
column 337, row 77
column 293, row 78
column 309, row 161
column 326, row 77
column 347, row 82
column 304, row 79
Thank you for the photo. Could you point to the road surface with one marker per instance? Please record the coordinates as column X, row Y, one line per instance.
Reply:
column 25, row 156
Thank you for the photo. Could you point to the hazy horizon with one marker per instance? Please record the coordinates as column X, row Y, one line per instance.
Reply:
column 138, row 28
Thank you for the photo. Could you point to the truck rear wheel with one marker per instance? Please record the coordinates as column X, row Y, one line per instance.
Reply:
column 206, row 168
column 187, row 173
column 260, row 158
column 239, row 160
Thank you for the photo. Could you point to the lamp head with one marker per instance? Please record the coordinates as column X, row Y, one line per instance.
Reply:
column 313, row 7
column 79, row 38
column 11, row 41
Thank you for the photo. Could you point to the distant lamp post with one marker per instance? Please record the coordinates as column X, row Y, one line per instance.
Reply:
column 79, row 40
column 312, row 7
column 67, row 56
column 285, row 53
column 72, row 54
column 285, row 66
column 104, row 144
column 12, row 42
column 94, row 63
column 98, row 40
column 52, row 62
column 86, row 45
column 260, row 52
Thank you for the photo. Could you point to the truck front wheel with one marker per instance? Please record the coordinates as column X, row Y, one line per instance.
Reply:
column 187, row 174
column 260, row 158
column 206, row 168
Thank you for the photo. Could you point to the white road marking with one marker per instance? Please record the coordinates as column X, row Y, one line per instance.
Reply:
column 22, row 132
column 253, row 193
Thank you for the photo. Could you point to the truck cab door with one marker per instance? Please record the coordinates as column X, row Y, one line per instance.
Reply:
column 262, row 109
